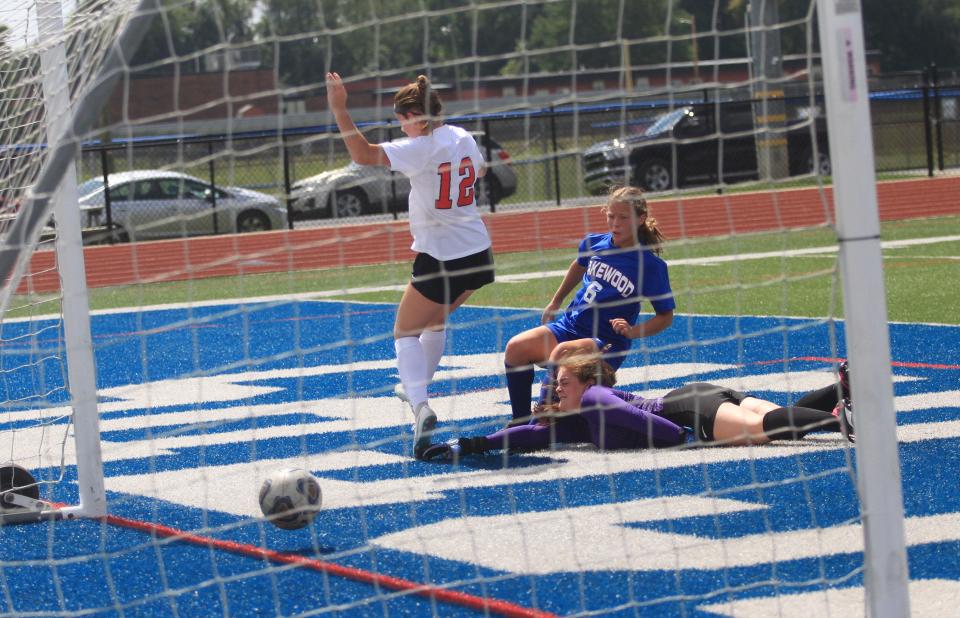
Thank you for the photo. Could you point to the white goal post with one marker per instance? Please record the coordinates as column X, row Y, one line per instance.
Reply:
column 861, row 268
column 54, row 191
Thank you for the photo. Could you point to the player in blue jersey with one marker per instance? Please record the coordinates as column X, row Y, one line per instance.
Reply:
column 589, row 410
column 616, row 271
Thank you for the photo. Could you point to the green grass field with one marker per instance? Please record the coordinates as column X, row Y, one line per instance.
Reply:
column 920, row 279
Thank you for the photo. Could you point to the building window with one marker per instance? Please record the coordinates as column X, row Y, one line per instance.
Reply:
column 294, row 106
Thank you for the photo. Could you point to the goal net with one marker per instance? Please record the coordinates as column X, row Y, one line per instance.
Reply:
column 200, row 290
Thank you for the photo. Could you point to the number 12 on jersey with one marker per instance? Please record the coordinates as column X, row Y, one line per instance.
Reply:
column 465, row 194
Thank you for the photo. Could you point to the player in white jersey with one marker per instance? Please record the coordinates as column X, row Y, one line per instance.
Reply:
column 453, row 247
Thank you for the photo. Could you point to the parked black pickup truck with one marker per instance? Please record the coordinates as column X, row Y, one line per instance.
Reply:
column 705, row 153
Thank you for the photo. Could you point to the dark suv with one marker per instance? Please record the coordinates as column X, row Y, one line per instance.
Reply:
column 647, row 159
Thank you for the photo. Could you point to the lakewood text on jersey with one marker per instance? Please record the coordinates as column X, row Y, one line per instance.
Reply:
column 607, row 273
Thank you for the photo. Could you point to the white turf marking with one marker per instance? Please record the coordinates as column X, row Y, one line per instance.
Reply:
column 190, row 486
column 235, row 486
column 340, row 414
column 598, row 538
column 577, row 539
column 928, row 597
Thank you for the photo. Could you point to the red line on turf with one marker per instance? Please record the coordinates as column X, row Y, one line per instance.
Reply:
column 924, row 365
column 453, row 597
column 827, row 359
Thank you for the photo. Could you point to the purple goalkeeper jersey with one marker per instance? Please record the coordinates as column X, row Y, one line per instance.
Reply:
column 608, row 418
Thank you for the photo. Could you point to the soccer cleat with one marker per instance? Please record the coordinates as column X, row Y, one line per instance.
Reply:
column 424, row 422
column 446, row 452
column 844, row 413
column 453, row 449
column 844, row 371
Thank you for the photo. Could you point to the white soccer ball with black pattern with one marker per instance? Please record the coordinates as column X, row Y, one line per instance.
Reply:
column 290, row 498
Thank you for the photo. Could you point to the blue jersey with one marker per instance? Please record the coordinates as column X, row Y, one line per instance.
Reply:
column 614, row 286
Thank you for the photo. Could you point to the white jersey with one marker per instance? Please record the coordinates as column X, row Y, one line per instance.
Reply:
column 443, row 168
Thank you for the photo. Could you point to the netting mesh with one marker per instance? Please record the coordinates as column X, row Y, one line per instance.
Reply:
column 244, row 277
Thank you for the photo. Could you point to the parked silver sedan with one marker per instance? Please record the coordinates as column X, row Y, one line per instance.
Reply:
column 148, row 204
column 355, row 190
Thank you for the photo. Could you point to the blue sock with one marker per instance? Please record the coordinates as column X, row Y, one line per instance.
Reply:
column 519, row 382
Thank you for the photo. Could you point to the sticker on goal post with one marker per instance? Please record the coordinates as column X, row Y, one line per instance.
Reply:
column 848, row 71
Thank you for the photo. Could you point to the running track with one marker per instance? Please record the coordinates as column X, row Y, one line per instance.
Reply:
column 550, row 228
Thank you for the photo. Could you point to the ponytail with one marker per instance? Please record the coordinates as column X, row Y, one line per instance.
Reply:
column 418, row 98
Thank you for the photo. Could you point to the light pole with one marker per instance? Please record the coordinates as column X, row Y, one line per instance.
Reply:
column 692, row 20
column 448, row 31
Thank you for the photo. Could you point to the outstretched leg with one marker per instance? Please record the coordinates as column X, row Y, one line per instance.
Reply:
column 736, row 425
column 828, row 397
column 416, row 316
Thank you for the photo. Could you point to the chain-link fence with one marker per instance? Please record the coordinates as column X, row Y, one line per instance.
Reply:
column 174, row 187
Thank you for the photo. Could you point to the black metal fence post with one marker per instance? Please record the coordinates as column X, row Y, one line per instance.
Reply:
column 284, row 153
column 488, row 153
column 935, row 79
column 105, row 169
column 393, row 181
column 927, row 129
column 213, row 188
column 556, row 156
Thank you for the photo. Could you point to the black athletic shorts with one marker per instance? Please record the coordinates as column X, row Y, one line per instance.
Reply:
column 695, row 406
column 444, row 281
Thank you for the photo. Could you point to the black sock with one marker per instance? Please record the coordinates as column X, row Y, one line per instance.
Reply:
column 824, row 399
column 519, row 382
column 794, row 423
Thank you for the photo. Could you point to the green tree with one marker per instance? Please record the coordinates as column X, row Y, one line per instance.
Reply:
column 293, row 40
column 308, row 37
column 913, row 33
column 594, row 27
column 182, row 31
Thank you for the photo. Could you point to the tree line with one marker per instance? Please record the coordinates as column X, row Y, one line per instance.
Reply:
column 461, row 38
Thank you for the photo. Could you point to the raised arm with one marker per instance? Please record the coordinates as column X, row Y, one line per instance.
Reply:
column 570, row 281
column 361, row 151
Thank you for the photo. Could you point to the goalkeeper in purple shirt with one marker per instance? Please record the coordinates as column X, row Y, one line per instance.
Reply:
column 616, row 272
column 588, row 410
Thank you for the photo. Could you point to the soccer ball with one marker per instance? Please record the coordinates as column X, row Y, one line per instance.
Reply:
column 290, row 498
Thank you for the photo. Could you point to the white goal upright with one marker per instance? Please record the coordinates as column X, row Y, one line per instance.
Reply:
column 50, row 107
column 861, row 269
column 214, row 357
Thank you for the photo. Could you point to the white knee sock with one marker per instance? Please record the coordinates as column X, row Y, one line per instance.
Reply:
column 412, row 366
column 433, row 342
